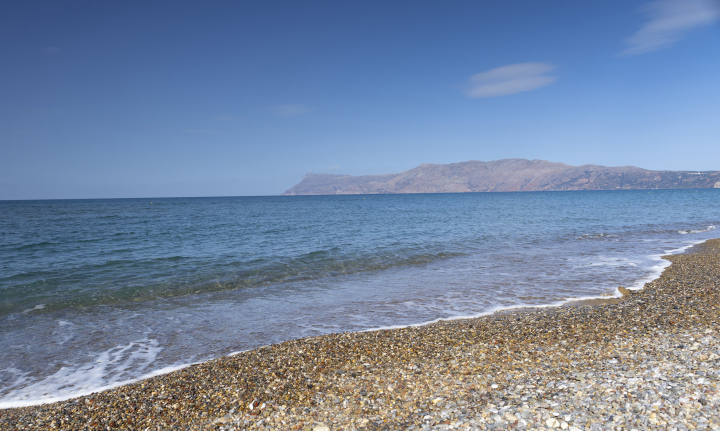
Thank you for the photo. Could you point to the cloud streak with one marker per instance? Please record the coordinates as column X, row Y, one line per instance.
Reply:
column 668, row 21
column 511, row 79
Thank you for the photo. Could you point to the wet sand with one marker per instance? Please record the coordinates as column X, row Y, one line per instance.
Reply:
column 645, row 361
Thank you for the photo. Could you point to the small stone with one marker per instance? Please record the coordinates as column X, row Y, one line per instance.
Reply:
column 649, row 361
column 552, row 423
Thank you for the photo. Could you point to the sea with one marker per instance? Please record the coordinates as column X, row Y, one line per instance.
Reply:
column 103, row 292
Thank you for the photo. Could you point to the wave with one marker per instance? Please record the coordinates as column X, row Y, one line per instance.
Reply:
column 707, row 229
column 130, row 281
column 37, row 307
column 111, row 368
column 596, row 236
column 642, row 231
column 35, row 245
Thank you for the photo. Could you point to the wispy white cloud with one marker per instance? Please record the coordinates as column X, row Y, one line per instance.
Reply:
column 668, row 21
column 291, row 110
column 511, row 79
column 333, row 168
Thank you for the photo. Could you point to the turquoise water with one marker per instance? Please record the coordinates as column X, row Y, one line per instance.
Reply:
column 94, row 293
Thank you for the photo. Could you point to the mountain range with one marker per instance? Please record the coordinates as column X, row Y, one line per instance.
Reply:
column 506, row 175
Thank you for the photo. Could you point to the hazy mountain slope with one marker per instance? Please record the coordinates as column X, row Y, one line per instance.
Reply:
column 505, row 175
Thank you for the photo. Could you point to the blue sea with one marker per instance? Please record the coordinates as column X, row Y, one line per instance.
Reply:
column 98, row 293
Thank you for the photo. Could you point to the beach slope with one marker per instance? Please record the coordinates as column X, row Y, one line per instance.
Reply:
column 649, row 361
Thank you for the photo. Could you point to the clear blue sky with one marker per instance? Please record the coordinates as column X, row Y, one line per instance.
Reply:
column 227, row 98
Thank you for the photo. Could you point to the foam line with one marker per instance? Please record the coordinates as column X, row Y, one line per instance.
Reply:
column 90, row 377
column 662, row 264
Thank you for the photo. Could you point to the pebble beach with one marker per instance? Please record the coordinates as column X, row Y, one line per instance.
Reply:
column 648, row 360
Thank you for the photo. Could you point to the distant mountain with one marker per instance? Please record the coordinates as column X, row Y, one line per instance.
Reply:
column 507, row 175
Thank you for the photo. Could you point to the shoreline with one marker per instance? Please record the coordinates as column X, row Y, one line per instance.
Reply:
column 373, row 379
column 606, row 297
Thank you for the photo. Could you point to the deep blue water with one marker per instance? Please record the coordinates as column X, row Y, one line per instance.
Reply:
column 94, row 293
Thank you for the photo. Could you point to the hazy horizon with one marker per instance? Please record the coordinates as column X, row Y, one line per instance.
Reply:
column 135, row 100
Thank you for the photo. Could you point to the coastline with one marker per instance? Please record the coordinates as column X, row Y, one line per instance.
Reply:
column 529, row 368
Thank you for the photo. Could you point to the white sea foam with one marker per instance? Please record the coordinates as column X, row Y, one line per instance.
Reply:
column 685, row 232
column 613, row 262
column 65, row 331
column 123, row 364
column 596, row 236
column 682, row 249
column 108, row 370
column 655, row 273
column 496, row 260
column 657, row 270
column 37, row 307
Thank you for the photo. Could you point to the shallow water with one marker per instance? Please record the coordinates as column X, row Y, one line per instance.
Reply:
column 95, row 293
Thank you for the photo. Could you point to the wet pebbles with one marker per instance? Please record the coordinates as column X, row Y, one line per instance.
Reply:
column 648, row 361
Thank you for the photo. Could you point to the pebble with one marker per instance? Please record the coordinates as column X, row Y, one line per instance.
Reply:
column 647, row 361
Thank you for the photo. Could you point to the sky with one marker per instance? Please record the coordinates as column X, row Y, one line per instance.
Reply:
column 114, row 99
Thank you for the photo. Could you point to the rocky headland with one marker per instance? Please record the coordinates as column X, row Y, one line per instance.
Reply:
column 507, row 175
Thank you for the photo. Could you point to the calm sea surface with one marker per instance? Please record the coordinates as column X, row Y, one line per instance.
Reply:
column 96, row 293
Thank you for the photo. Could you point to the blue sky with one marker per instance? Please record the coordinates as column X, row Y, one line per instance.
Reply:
column 227, row 98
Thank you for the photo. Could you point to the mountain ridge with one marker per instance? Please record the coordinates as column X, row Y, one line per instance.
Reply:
column 503, row 175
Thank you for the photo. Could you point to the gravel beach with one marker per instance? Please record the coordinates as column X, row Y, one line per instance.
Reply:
column 647, row 361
